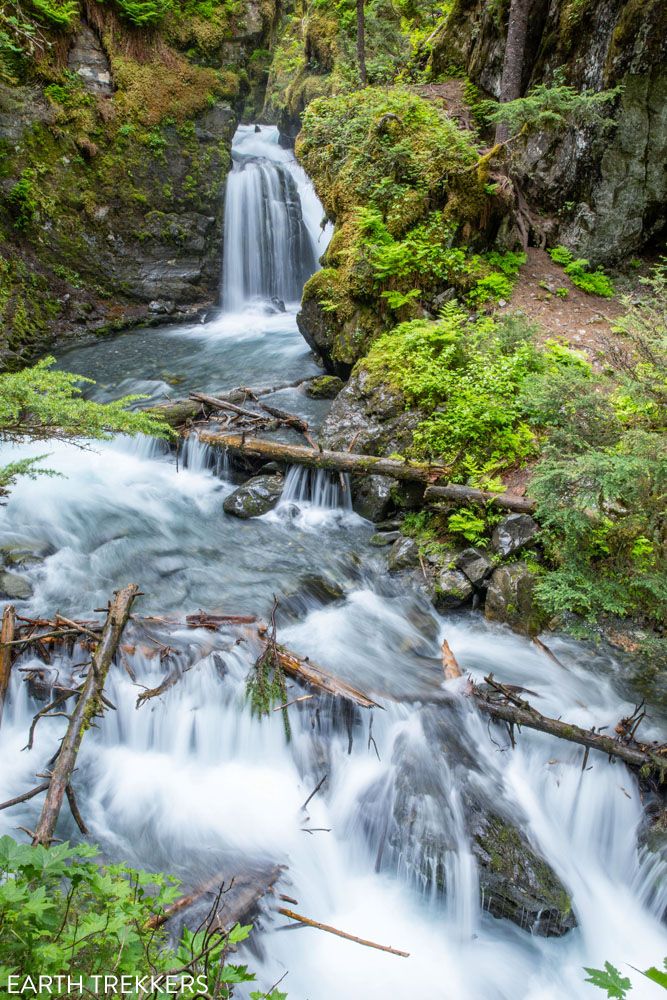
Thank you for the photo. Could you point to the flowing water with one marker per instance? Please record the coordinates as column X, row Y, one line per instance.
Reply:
column 192, row 783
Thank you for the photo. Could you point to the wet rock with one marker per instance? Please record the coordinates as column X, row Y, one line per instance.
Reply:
column 15, row 586
column 27, row 554
column 513, row 533
column 511, row 599
column 324, row 387
column 404, row 555
column 452, row 589
column 383, row 538
column 475, row 564
column 372, row 497
column 254, row 498
column 317, row 330
column 413, row 825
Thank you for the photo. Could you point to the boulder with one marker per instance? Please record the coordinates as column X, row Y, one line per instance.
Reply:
column 254, row 498
column 384, row 538
column 475, row 564
column 88, row 60
column 372, row 496
column 452, row 589
column 317, row 329
column 15, row 586
column 513, row 533
column 413, row 825
column 510, row 599
column 404, row 554
column 324, row 387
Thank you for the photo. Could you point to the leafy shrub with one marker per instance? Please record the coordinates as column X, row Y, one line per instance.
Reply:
column 553, row 107
column 618, row 986
column 470, row 524
column 58, row 905
column 579, row 273
column 464, row 378
column 143, row 13
column 61, row 13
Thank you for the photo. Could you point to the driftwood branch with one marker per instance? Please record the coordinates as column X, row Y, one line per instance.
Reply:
column 88, row 705
column 467, row 494
column 649, row 758
column 6, row 640
column 26, row 795
column 343, row 934
column 315, row 677
column 179, row 412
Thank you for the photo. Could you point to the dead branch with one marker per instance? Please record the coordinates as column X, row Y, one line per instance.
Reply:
column 6, row 640
column 26, row 795
column 450, row 664
column 334, row 930
column 88, row 705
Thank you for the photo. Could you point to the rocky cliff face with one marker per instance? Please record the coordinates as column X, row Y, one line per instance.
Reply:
column 605, row 194
column 115, row 154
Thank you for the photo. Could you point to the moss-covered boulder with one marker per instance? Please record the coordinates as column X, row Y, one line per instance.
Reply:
column 511, row 599
column 257, row 496
column 324, row 387
column 397, row 177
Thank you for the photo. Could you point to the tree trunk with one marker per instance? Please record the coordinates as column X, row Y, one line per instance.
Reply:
column 6, row 638
column 515, row 51
column 361, row 42
column 87, row 706
column 345, row 461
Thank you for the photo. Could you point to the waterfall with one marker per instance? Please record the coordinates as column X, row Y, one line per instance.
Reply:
column 269, row 249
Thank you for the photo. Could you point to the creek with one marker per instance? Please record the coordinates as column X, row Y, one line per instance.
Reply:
column 193, row 784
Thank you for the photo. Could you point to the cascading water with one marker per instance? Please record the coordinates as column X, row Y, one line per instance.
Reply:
column 268, row 251
column 192, row 783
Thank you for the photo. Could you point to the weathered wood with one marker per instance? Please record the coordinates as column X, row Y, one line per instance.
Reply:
column 6, row 640
column 306, row 672
column 178, row 412
column 345, row 461
column 343, row 934
column 467, row 494
column 450, row 664
column 235, row 902
column 88, row 705
column 517, row 712
column 25, row 796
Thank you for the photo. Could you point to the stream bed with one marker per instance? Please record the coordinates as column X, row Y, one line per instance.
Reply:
column 193, row 784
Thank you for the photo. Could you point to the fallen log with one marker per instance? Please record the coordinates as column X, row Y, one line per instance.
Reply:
column 233, row 905
column 345, row 461
column 89, row 704
column 343, row 934
column 466, row 494
column 6, row 641
column 649, row 758
column 306, row 672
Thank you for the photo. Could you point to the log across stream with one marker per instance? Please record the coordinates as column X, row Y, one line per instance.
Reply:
column 412, row 799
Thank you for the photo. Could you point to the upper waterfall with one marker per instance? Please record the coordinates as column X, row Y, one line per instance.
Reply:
column 272, row 222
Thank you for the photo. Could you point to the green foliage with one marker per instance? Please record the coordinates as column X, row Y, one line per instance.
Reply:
column 578, row 270
column 470, row 524
column 617, row 986
column 42, row 402
column 144, row 13
column 610, row 979
column 61, row 13
column 601, row 485
column 463, row 377
column 59, row 906
column 23, row 200
column 549, row 108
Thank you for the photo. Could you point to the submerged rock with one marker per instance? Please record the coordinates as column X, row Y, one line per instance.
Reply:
column 513, row 533
column 438, row 806
column 15, row 586
column 256, row 497
column 511, row 599
column 384, row 538
column 324, row 387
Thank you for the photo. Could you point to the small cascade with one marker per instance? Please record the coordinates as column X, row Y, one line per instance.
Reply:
column 317, row 487
column 269, row 252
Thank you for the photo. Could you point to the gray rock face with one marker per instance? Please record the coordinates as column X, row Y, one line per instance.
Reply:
column 475, row 564
column 254, row 498
column 613, row 183
column 384, row 538
column 89, row 60
column 510, row 599
column 513, row 533
column 452, row 590
column 15, row 586
column 371, row 496
column 319, row 333
column 404, row 554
